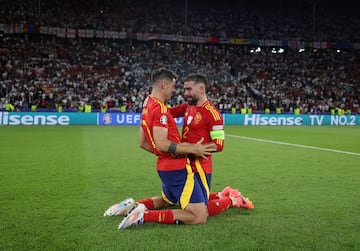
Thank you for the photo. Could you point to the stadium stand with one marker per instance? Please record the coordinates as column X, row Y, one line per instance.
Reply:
column 45, row 60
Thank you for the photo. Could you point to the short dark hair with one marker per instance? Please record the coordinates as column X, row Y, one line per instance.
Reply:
column 162, row 74
column 198, row 78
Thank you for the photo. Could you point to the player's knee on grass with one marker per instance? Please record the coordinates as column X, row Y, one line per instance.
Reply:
column 202, row 219
column 199, row 212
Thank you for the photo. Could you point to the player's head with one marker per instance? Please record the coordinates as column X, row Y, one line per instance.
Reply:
column 164, row 80
column 195, row 89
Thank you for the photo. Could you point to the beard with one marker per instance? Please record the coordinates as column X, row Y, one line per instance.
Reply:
column 192, row 100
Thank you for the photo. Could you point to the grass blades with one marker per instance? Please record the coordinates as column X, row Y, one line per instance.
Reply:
column 56, row 183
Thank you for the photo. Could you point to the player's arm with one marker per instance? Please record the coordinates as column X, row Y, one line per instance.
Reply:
column 143, row 143
column 164, row 145
column 179, row 110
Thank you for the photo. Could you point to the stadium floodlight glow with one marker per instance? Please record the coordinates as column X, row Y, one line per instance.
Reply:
column 276, row 51
column 257, row 50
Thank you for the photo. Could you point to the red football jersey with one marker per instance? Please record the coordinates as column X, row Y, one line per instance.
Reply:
column 156, row 113
column 199, row 121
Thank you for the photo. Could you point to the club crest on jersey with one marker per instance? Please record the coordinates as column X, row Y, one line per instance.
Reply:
column 163, row 120
column 197, row 118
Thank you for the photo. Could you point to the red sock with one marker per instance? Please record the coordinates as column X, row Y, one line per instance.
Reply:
column 214, row 196
column 148, row 202
column 218, row 206
column 160, row 216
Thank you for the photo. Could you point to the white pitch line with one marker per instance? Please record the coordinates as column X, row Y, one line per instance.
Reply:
column 296, row 145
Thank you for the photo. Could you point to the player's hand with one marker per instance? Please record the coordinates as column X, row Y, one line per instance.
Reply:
column 202, row 150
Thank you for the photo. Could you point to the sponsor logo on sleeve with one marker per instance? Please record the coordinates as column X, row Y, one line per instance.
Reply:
column 163, row 120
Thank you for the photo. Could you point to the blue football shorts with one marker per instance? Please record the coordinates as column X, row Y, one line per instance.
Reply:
column 182, row 186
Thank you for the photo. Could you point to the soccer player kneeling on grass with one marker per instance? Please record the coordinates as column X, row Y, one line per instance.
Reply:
column 172, row 174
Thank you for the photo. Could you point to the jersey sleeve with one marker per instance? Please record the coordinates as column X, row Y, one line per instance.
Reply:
column 160, row 116
column 179, row 110
column 216, row 129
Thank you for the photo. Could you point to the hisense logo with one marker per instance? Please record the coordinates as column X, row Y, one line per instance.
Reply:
column 27, row 119
column 272, row 120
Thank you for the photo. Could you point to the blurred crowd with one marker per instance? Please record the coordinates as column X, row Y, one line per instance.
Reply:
column 48, row 72
column 281, row 20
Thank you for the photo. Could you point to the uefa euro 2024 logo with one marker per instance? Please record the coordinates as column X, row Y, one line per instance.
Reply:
column 107, row 119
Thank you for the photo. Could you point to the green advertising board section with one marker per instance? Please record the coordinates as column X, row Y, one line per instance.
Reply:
column 119, row 119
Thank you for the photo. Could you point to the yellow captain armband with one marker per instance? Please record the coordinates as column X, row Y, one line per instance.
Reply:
column 218, row 134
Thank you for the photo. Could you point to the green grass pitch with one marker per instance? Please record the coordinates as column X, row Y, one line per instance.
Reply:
column 56, row 183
